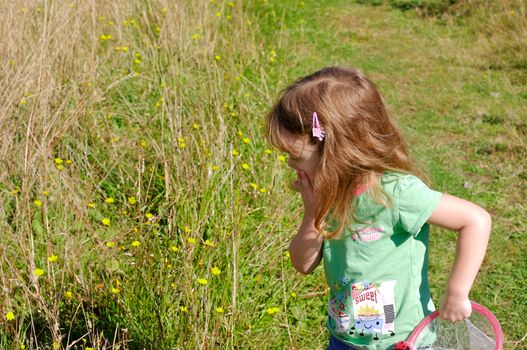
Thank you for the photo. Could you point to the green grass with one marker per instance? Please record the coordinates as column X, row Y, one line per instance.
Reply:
column 172, row 119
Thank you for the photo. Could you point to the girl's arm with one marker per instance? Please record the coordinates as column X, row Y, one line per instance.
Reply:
column 305, row 248
column 473, row 224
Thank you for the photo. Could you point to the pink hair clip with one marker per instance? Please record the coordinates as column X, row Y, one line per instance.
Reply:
column 318, row 130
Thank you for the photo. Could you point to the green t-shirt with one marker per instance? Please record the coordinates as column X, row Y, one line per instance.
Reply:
column 377, row 268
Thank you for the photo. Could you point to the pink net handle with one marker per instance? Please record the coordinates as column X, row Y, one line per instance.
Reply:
column 475, row 308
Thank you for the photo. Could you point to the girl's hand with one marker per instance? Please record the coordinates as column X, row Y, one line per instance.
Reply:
column 310, row 197
column 454, row 308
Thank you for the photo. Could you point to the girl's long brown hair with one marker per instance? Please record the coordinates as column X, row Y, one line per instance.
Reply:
column 361, row 143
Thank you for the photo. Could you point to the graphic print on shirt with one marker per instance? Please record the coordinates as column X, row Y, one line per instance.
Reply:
column 368, row 233
column 362, row 307
column 338, row 304
column 374, row 307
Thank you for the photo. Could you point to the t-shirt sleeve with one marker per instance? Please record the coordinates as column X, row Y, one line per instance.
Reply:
column 415, row 203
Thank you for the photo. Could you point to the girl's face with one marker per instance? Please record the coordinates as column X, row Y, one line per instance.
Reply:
column 303, row 156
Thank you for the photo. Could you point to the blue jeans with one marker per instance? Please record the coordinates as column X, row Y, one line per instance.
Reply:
column 335, row 344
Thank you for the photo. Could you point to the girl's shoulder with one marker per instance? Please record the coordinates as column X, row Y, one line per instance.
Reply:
column 396, row 179
column 404, row 185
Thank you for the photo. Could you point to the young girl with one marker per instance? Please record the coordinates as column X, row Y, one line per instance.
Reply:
column 366, row 212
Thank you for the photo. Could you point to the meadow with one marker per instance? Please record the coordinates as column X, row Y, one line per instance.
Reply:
column 140, row 206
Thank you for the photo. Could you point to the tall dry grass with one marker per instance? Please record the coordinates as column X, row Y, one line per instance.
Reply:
column 143, row 103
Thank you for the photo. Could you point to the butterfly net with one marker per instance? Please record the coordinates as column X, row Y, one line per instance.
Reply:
column 474, row 333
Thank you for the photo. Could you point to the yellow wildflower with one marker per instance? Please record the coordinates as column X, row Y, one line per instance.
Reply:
column 115, row 290
column 45, row 193
column 149, row 215
column 91, row 205
column 254, row 186
column 202, row 281
column 58, row 161
column 217, row 58
column 235, row 152
column 37, row 202
column 294, row 295
column 174, row 248
column 215, row 271
column 106, row 221
column 136, row 243
column 220, row 310
column 110, row 244
column 68, row 294
column 263, row 190
column 281, row 158
column 10, row 316
column 273, row 310
column 53, row 258
column 132, row 200
column 38, row 272
column 246, row 140
column 245, row 166
column 191, row 240
column 209, row 243
column 183, row 309
column 187, row 229
column 268, row 151
column 110, row 200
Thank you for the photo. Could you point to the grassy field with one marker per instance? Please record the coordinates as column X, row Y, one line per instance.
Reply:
column 140, row 207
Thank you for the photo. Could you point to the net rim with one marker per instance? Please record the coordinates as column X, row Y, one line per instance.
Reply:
column 480, row 309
